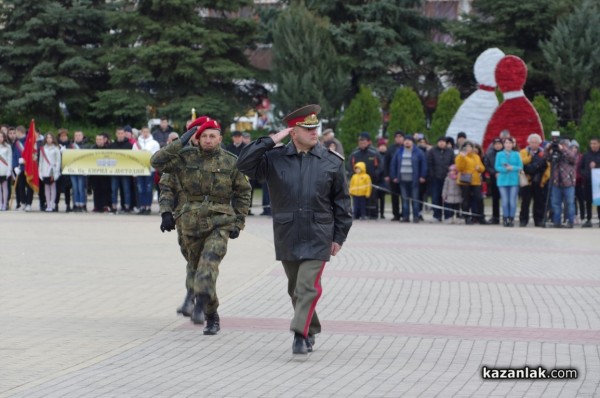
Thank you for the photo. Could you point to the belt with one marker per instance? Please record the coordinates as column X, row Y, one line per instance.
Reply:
column 208, row 198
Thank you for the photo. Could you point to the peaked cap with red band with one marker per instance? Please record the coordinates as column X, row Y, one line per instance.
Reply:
column 198, row 122
column 304, row 117
column 211, row 124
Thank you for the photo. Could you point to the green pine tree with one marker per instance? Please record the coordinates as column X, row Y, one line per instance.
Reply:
column 448, row 103
column 590, row 121
column 383, row 42
column 573, row 55
column 363, row 114
column 547, row 114
column 166, row 57
column 48, row 57
column 406, row 112
column 306, row 68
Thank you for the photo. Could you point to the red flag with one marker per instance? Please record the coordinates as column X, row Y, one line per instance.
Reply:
column 30, row 158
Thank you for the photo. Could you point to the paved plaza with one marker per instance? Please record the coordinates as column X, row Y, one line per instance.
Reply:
column 87, row 309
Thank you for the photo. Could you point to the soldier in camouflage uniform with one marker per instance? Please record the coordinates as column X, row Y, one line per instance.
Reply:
column 211, row 182
column 170, row 202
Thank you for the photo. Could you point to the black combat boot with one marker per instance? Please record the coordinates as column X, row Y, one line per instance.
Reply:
column 213, row 324
column 299, row 345
column 198, row 313
column 188, row 304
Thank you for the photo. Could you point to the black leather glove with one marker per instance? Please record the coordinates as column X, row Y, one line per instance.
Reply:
column 187, row 135
column 235, row 233
column 168, row 222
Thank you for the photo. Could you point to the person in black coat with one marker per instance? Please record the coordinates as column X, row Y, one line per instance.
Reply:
column 311, row 210
column 367, row 154
column 237, row 144
column 439, row 159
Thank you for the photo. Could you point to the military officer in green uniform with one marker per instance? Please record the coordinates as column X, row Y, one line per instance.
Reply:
column 311, row 211
column 210, row 182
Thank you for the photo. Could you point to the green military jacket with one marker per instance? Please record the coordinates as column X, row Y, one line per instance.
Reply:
column 214, row 192
column 171, row 197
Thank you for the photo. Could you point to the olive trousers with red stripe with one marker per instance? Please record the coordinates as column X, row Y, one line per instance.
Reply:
column 304, row 287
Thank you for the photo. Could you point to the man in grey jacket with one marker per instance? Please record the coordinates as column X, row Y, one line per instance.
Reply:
column 311, row 210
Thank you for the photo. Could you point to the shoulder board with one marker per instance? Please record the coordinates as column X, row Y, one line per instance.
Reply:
column 336, row 154
column 233, row 155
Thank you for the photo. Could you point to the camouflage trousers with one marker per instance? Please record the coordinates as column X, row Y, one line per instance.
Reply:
column 182, row 248
column 204, row 254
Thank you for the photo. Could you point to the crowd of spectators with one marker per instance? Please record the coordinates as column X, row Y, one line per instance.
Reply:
column 124, row 194
column 450, row 179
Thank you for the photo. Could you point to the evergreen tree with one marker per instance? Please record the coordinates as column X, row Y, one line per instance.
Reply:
column 306, row 68
column 406, row 112
column 168, row 56
column 363, row 114
column 573, row 55
column 48, row 57
column 547, row 115
column 514, row 26
column 384, row 43
column 448, row 103
column 590, row 121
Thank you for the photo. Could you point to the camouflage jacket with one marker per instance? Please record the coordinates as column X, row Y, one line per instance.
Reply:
column 171, row 197
column 210, row 183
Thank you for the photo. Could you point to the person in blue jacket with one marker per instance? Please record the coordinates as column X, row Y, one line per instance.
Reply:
column 409, row 169
column 508, row 165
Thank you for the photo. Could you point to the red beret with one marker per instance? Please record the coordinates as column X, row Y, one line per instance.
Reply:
column 198, row 122
column 211, row 124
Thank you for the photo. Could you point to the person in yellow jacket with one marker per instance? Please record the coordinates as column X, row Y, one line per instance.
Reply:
column 360, row 190
column 470, row 168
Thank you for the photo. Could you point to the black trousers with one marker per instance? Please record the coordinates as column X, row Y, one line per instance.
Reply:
column 495, row 193
column 471, row 200
column 101, row 187
column 589, row 202
column 63, row 185
column 24, row 192
column 381, row 200
column 395, row 189
column 536, row 194
column 372, row 206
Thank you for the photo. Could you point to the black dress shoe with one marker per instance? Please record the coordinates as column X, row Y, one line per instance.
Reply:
column 213, row 324
column 187, row 307
column 198, row 313
column 299, row 345
column 310, row 342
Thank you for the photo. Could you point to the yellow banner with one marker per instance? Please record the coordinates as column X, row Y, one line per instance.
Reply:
column 106, row 162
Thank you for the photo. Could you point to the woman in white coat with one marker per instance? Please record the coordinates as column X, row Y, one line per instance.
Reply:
column 49, row 168
column 5, row 169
